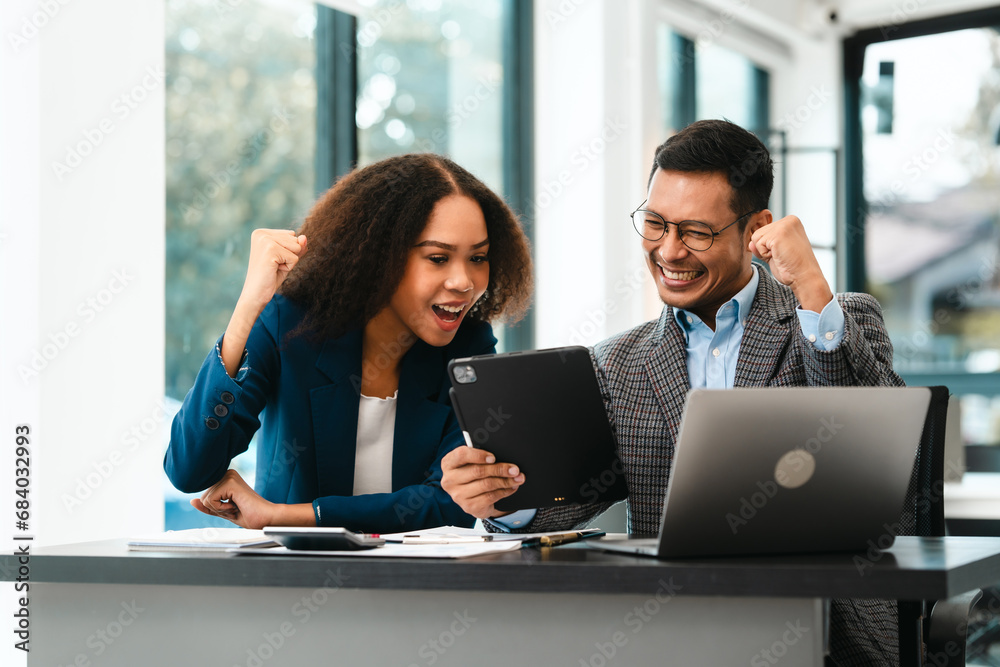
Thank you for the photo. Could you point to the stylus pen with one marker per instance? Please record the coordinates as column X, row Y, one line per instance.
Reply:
column 555, row 540
column 468, row 438
column 564, row 538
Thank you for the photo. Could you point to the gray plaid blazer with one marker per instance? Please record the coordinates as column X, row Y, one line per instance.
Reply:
column 644, row 378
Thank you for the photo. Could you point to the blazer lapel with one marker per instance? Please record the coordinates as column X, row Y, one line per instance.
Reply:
column 420, row 420
column 766, row 334
column 667, row 366
column 335, row 414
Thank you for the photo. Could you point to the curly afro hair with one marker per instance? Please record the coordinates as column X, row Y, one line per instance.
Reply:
column 361, row 231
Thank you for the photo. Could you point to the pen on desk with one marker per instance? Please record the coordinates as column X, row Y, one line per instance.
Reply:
column 562, row 538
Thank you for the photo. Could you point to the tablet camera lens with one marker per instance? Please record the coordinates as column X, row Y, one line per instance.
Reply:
column 465, row 374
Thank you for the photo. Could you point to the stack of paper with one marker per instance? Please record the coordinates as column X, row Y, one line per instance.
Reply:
column 202, row 539
column 397, row 550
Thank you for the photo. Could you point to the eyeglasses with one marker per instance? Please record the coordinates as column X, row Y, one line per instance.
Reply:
column 695, row 235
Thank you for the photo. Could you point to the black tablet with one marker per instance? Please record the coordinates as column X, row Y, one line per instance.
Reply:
column 541, row 410
column 321, row 539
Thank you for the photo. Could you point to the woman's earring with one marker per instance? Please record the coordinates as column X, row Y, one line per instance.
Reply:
column 475, row 307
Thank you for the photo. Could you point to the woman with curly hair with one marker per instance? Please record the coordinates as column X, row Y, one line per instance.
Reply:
column 337, row 351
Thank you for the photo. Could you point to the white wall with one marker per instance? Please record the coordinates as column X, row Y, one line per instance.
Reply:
column 82, row 243
column 594, row 139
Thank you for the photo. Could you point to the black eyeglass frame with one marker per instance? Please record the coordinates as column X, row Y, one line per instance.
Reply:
column 666, row 222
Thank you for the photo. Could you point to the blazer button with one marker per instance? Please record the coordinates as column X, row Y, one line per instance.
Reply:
column 212, row 423
column 221, row 410
column 227, row 398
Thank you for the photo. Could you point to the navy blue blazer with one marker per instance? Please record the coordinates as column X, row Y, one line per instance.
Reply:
column 302, row 398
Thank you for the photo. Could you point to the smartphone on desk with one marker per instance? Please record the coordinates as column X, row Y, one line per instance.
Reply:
column 322, row 539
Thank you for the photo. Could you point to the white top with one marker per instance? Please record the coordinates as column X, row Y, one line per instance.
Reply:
column 373, row 457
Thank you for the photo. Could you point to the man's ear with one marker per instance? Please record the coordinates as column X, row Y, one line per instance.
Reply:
column 759, row 220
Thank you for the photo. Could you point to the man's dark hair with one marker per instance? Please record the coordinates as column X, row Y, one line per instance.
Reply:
column 719, row 146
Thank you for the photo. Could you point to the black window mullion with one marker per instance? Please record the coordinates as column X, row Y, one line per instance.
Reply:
column 518, row 138
column 336, row 95
column 760, row 112
column 685, row 102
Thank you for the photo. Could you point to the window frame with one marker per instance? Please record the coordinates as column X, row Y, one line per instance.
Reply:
column 856, row 209
column 337, row 132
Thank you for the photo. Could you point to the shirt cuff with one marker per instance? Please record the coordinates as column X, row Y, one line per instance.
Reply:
column 244, row 366
column 518, row 519
column 824, row 330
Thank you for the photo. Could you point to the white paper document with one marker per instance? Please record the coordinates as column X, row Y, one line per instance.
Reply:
column 397, row 550
column 201, row 539
column 459, row 535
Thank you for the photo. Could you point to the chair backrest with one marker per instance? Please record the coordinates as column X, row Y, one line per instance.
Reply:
column 923, row 512
column 923, row 516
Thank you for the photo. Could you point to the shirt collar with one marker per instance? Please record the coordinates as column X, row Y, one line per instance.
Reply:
column 741, row 303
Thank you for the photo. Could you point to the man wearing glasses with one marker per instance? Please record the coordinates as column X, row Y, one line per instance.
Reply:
column 727, row 323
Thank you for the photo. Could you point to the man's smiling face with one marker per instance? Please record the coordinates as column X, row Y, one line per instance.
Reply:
column 698, row 281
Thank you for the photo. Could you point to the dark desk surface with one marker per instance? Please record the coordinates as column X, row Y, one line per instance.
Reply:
column 914, row 568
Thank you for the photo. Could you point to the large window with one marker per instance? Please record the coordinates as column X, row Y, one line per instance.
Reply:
column 256, row 126
column 240, row 132
column 240, row 126
column 431, row 78
column 928, row 114
column 700, row 79
column 440, row 76
column 705, row 80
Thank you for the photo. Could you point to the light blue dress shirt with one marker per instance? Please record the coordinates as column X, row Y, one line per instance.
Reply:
column 712, row 355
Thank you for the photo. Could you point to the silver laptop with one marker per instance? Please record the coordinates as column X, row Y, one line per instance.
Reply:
column 791, row 470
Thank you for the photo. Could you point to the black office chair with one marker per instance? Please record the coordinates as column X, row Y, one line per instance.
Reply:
column 932, row 632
